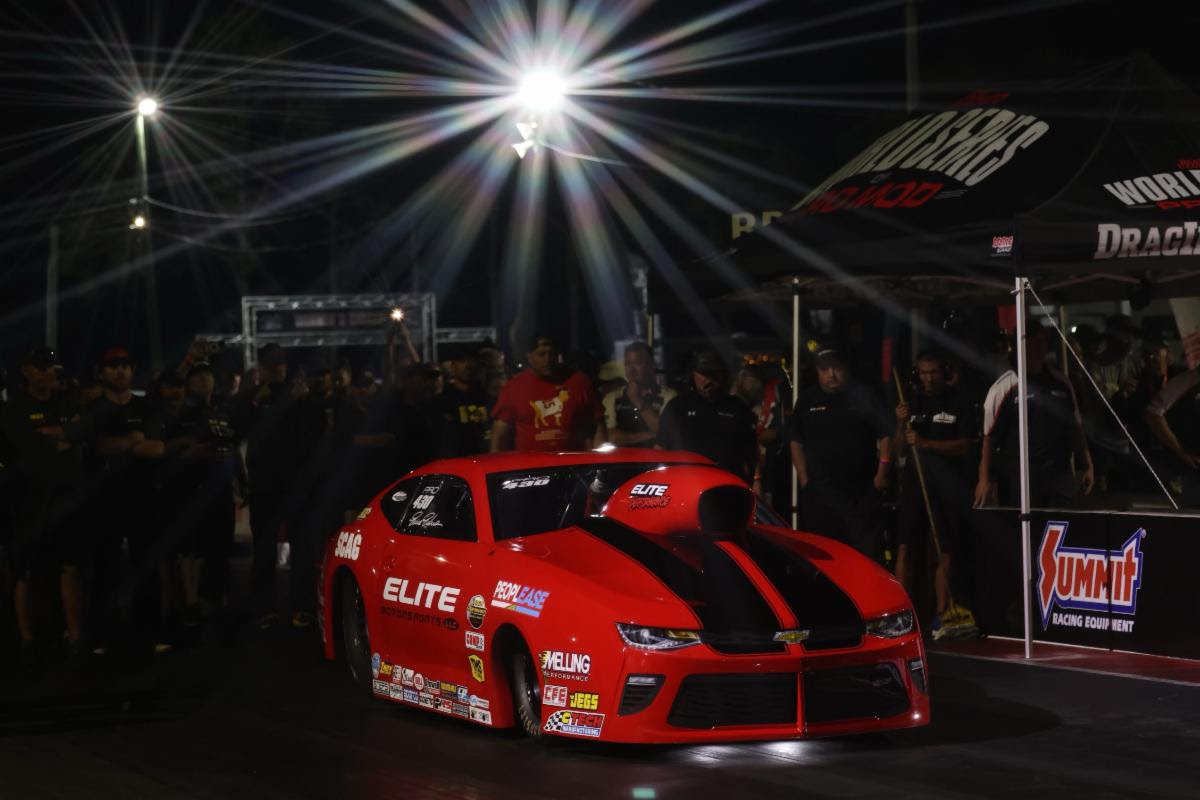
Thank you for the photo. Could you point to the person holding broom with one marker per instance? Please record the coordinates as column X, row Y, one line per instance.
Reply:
column 934, row 434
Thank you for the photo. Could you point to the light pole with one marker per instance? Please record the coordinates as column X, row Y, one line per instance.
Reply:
column 147, row 107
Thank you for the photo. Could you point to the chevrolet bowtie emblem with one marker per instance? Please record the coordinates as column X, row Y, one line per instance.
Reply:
column 790, row 637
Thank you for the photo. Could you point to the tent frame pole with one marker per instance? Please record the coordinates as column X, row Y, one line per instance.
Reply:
column 796, row 335
column 1023, row 431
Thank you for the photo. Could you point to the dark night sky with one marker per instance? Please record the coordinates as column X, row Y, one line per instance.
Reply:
column 848, row 72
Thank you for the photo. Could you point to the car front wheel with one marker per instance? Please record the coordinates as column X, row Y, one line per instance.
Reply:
column 527, row 693
column 356, row 639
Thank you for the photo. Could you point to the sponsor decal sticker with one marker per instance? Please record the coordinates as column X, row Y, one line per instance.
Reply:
column 476, row 610
column 409, row 695
column 555, row 696
column 445, row 705
column 575, row 723
column 397, row 692
column 425, row 699
column 649, row 495
column 385, row 669
column 347, row 546
column 419, row 682
column 364, row 513
column 464, row 694
column 525, row 483
column 649, row 489
column 479, row 715
column 571, row 666
column 423, row 595
column 476, row 668
column 1002, row 245
column 475, row 641
column 479, row 702
column 461, row 710
column 522, row 599
column 407, row 676
column 585, row 701
column 399, row 497
column 447, row 688
column 375, row 661
column 381, row 687
column 1087, row 579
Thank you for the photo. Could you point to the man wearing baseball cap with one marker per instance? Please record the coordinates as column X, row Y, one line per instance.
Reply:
column 40, row 423
column 841, row 444
column 125, row 441
column 708, row 420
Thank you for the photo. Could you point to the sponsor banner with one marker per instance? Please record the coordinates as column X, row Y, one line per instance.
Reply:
column 574, row 723
column 1107, row 580
column 1146, row 241
column 522, row 599
column 475, row 641
column 1163, row 190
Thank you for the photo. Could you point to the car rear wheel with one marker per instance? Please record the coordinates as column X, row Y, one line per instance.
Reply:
column 527, row 693
column 356, row 639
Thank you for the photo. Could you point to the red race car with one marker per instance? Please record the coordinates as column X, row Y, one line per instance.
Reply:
column 629, row 596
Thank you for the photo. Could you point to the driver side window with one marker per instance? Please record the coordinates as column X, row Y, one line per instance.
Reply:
column 441, row 507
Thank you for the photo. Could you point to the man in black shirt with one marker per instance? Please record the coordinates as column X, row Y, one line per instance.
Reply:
column 466, row 423
column 125, row 443
column 38, row 424
column 711, row 422
column 269, row 415
column 632, row 412
column 1055, row 435
column 840, row 440
column 936, row 426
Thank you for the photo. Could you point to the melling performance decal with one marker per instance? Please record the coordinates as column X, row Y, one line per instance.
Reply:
column 1079, row 579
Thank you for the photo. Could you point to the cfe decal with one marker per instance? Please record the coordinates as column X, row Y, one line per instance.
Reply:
column 576, row 723
column 1080, row 578
column 522, row 599
column 554, row 695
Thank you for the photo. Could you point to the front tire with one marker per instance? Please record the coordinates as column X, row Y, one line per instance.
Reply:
column 527, row 693
column 356, row 638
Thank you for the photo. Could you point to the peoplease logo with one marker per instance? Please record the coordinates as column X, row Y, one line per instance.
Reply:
column 1080, row 578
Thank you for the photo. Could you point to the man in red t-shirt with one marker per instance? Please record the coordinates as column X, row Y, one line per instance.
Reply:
column 547, row 407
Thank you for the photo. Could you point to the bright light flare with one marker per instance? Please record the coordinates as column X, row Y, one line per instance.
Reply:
column 139, row 223
column 147, row 107
column 542, row 91
column 397, row 315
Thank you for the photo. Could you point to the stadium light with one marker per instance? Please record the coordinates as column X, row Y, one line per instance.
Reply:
column 139, row 223
column 147, row 107
column 542, row 91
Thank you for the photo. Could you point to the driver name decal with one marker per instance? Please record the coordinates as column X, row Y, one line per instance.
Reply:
column 516, row 597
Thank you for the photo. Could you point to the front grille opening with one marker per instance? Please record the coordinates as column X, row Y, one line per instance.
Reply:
column 714, row 701
column 638, row 696
column 873, row 691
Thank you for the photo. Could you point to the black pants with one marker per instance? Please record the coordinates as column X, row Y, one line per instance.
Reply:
column 124, row 512
column 949, row 498
column 853, row 516
column 268, row 510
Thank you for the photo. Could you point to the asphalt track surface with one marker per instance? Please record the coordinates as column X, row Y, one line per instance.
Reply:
column 261, row 715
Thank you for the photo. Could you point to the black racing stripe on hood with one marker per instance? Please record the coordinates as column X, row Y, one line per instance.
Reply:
column 820, row 606
column 733, row 614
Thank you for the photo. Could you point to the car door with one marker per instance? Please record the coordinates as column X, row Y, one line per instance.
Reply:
column 424, row 570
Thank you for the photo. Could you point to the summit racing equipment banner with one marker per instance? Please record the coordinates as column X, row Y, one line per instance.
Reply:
column 1111, row 580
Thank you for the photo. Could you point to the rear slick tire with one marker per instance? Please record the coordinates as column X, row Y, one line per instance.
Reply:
column 527, row 693
column 356, row 638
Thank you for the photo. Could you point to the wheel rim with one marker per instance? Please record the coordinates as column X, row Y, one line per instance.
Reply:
column 532, row 689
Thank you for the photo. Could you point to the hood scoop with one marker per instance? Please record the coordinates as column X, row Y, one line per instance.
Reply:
column 683, row 499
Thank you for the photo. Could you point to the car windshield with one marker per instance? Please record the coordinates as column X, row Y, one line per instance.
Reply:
column 527, row 502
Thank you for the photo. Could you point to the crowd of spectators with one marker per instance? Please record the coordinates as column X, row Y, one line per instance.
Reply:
column 129, row 498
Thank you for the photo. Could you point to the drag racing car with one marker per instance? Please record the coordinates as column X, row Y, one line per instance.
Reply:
column 628, row 596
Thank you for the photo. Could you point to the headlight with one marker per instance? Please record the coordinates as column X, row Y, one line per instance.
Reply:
column 891, row 625
column 656, row 638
